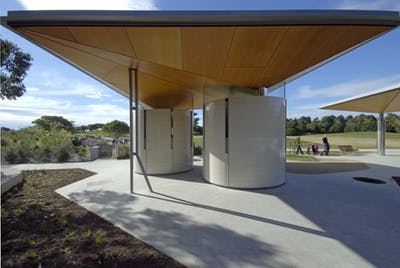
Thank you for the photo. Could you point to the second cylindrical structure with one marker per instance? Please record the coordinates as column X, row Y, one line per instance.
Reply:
column 244, row 140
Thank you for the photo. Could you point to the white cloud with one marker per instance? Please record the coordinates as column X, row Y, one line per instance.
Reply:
column 370, row 4
column 54, row 84
column 317, row 113
column 312, row 106
column 89, row 4
column 21, row 112
column 32, row 89
column 75, row 88
column 347, row 89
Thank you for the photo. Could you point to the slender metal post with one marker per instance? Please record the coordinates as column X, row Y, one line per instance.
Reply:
column 285, row 102
column 131, row 158
column 134, row 149
column 136, row 115
column 381, row 135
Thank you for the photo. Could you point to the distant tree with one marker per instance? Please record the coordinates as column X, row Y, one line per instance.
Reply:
column 197, row 129
column 48, row 121
column 326, row 123
column 339, row 123
column 82, row 128
column 366, row 122
column 313, row 127
column 116, row 128
column 302, row 123
column 350, row 124
column 291, row 127
column 14, row 67
column 96, row 126
column 372, row 123
column 392, row 123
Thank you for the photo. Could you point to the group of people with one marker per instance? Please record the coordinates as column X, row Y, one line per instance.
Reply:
column 314, row 148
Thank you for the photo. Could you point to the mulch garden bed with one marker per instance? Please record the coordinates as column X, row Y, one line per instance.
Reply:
column 40, row 228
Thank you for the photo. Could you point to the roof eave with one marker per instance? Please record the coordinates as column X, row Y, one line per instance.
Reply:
column 201, row 18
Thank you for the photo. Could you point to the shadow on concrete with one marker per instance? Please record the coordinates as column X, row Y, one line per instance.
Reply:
column 169, row 198
column 193, row 175
column 173, row 232
column 362, row 216
column 323, row 167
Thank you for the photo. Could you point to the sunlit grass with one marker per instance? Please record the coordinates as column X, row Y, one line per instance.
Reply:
column 359, row 140
column 305, row 158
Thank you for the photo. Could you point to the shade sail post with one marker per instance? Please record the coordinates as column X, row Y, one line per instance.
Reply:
column 381, row 135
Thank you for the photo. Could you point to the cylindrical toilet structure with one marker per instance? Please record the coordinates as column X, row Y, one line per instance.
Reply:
column 165, row 141
column 244, row 142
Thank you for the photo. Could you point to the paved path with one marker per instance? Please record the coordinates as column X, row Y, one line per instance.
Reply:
column 322, row 220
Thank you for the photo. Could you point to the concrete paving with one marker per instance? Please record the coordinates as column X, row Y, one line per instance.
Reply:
column 321, row 220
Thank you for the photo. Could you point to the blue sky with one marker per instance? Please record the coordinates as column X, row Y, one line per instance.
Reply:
column 55, row 88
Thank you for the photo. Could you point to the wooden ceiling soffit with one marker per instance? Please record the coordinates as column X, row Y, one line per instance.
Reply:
column 161, row 94
column 253, row 47
column 161, row 45
column 305, row 46
column 61, row 32
column 97, row 66
column 112, row 39
column 246, row 77
column 113, row 57
column 216, row 60
column 117, row 74
column 186, row 79
column 205, row 49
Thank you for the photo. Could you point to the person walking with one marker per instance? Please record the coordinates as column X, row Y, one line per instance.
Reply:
column 299, row 146
column 326, row 145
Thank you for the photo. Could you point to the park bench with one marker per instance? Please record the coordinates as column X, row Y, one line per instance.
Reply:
column 347, row 149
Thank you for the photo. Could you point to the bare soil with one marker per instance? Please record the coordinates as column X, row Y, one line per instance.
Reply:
column 40, row 227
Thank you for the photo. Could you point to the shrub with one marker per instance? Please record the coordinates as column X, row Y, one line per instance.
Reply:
column 35, row 144
column 82, row 151
column 62, row 153
column 123, row 152
column 11, row 156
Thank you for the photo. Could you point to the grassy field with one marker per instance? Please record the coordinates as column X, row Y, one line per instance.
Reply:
column 198, row 141
column 305, row 158
column 359, row 140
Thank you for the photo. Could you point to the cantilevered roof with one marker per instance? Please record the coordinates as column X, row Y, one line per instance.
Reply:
column 385, row 100
column 187, row 57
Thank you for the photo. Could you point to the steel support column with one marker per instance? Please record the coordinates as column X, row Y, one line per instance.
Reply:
column 381, row 134
column 133, row 148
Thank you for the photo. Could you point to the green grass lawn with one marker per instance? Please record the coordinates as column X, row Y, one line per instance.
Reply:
column 359, row 140
column 198, row 140
column 306, row 158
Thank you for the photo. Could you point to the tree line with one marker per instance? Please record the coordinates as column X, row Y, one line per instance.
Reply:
column 336, row 124
column 115, row 128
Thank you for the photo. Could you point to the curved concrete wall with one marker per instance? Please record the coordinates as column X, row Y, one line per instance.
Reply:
column 165, row 141
column 244, row 140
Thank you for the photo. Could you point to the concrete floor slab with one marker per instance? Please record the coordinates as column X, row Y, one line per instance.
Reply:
column 320, row 220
